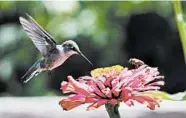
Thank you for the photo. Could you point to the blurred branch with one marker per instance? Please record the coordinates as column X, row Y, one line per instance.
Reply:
column 180, row 23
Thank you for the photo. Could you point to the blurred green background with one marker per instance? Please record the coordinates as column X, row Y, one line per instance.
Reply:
column 108, row 33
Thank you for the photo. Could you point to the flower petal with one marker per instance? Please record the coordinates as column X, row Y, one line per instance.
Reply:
column 149, row 101
column 84, row 79
column 125, row 94
column 115, row 82
column 91, row 99
column 158, row 83
column 72, row 102
column 108, row 81
column 96, row 90
column 129, row 103
column 102, row 79
column 100, row 84
column 80, row 88
column 97, row 104
column 116, row 91
column 113, row 101
column 66, row 87
column 107, row 92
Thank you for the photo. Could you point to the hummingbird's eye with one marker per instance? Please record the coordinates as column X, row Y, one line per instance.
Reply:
column 67, row 45
column 70, row 46
column 73, row 48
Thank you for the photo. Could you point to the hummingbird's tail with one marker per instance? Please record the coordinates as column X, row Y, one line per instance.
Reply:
column 34, row 70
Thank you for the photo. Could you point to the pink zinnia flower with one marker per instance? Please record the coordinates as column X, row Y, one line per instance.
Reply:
column 112, row 85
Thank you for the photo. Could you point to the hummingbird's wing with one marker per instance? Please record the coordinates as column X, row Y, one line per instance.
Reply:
column 41, row 39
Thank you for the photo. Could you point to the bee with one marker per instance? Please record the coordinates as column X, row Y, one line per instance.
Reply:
column 136, row 62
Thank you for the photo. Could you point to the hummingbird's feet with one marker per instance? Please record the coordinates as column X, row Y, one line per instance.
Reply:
column 49, row 73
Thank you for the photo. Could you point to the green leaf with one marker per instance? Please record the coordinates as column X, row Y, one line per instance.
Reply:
column 159, row 94
column 184, row 97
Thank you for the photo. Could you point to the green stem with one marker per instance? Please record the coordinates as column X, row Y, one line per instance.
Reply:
column 113, row 110
column 180, row 24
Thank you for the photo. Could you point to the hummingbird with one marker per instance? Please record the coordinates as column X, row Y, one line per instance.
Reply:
column 53, row 55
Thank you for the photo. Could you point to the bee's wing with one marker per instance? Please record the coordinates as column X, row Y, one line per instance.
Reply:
column 41, row 39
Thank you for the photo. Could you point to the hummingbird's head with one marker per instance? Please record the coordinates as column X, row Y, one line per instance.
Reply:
column 71, row 47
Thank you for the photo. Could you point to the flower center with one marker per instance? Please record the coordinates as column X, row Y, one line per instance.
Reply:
column 107, row 71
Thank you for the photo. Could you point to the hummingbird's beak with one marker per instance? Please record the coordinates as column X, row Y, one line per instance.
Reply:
column 81, row 54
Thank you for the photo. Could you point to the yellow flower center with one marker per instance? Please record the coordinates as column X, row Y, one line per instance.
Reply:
column 106, row 71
